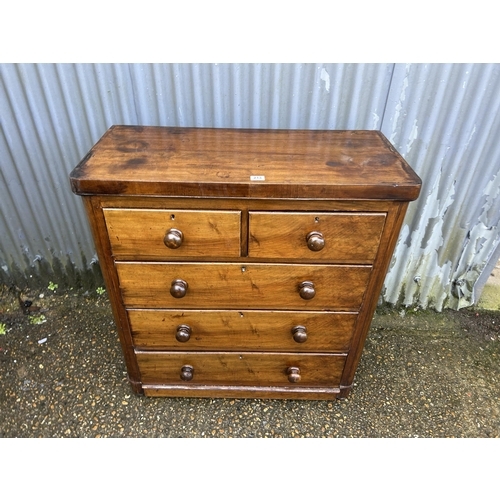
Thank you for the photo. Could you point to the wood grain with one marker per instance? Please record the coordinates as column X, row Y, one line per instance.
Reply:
column 241, row 203
column 314, row 164
column 138, row 234
column 241, row 330
column 248, row 286
column 349, row 238
column 101, row 240
column 241, row 392
column 240, row 368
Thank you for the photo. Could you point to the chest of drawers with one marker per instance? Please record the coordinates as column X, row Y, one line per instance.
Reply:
column 243, row 263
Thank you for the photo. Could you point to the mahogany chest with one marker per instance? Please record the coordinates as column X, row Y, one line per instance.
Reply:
column 243, row 263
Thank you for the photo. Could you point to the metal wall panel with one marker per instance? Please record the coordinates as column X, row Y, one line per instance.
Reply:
column 260, row 95
column 442, row 118
column 52, row 114
column 445, row 120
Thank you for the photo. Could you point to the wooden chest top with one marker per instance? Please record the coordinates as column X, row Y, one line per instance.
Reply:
column 244, row 163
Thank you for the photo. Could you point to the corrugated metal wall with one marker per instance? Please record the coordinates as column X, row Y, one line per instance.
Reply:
column 445, row 120
column 442, row 118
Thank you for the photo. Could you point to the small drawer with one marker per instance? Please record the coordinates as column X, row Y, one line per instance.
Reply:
column 332, row 237
column 248, row 286
column 195, row 330
column 241, row 368
column 170, row 234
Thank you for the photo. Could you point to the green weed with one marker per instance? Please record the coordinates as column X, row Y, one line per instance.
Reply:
column 37, row 320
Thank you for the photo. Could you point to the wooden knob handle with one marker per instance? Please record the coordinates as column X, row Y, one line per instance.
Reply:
column 173, row 238
column 315, row 241
column 178, row 289
column 183, row 333
column 187, row 372
column 299, row 333
column 293, row 374
column 306, row 290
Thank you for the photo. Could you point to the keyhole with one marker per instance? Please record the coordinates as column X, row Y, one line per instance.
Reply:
column 172, row 217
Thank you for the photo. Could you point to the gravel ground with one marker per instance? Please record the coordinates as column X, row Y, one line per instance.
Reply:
column 422, row 374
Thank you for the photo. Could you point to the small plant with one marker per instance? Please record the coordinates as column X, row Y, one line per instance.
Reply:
column 37, row 320
column 52, row 286
column 3, row 328
column 101, row 290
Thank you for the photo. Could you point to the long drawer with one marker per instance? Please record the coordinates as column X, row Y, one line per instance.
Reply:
column 186, row 330
column 240, row 368
column 248, row 286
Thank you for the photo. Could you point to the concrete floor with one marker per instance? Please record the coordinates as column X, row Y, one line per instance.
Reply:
column 422, row 374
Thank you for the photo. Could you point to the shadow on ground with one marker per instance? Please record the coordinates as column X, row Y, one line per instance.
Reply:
column 422, row 374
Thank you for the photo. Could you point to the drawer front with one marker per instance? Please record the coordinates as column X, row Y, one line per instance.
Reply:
column 170, row 234
column 334, row 237
column 186, row 330
column 240, row 368
column 248, row 286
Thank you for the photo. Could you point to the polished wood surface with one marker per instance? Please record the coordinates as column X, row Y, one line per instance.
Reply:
column 243, row 263
column 291, row 391
column 311, row 164
column 349, row 238
column 243, row 368
column 140, row 234
column 229, row 286
column 253, row 330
